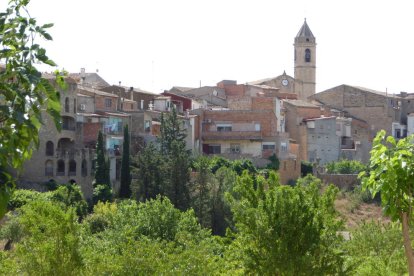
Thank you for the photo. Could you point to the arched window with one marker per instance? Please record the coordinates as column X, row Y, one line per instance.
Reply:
column 84, row 168
column 72, row 167
column 67, row 105
column 307, row 55
column 49, row 148
column 49, row 168
column 60, row 167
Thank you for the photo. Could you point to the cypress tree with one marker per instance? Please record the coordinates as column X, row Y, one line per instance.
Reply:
column 101, row 175
column 125, row 189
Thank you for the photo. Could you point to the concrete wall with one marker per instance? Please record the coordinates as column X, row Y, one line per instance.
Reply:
column 322, row 141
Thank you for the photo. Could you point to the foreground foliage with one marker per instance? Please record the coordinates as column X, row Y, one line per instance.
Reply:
column 24, row 93
column 286, row 230
column 391, row 172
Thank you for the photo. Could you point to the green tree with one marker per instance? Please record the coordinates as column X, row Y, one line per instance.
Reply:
column 283, row 230
column 125, row 189
column 24, row 93
column 101, row 170
column 221, row 216
column 177, row 166
column 345, row 167
column 201, row 190
column 376, row 249
column 178, row 175
column 148, row 168
column 51, row 241
column 171, row 130
column 391, row 172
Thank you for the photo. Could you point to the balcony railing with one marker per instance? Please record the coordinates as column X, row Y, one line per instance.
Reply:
column 232, row 135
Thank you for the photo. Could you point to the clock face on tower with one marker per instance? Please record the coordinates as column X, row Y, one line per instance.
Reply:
column 285, row 82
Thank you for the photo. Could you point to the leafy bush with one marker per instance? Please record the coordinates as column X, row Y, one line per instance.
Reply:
column 274, row 163
column 102, row 193
column 285, row 230
column 376, row 249
column 345, row 167
column 70, row 195
column 21, row 197
column 306, row 168
column 51, row 240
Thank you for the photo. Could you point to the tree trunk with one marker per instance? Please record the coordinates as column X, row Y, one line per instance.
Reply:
column 407, row 243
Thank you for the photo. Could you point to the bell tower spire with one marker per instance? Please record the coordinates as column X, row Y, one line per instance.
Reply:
column 305, row 62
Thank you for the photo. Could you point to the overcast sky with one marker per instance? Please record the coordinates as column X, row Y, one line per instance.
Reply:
column 157, row 44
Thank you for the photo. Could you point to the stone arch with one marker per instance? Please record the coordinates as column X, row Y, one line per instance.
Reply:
column 84, row 168
column 49, row 168
column 72, row 167
column 50, row 148
column 60, row 169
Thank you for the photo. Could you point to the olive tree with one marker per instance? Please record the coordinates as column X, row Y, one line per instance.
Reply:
column 391, row 172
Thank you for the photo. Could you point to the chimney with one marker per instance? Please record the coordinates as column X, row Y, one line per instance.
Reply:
column 82, row 74
column 131, row 90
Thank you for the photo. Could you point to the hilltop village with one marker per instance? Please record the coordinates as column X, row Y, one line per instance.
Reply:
column 282, row 115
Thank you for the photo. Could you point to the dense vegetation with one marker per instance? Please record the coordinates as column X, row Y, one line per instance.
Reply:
column 187, row 215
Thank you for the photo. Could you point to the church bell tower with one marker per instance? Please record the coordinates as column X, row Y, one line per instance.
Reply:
column 305, row 62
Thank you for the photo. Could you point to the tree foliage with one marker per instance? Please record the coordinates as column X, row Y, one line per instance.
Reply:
column 345, row 167
column 283, row 230
column 391, row 172
column 24, row 93
column 148, row 168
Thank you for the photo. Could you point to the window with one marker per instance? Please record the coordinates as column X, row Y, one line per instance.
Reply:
column 74, row 106
column 214, row 149
column 49, row 168
column 108, row 102
column 257, row 127
column 67, row 105
column 234, row 148
column 224, row 127
column 268, row 147
column 60, row 167
column 142, row 104
column 307, row 55
column 84, row 168
column 49, row 148
column 283, row 147
column 72, row 167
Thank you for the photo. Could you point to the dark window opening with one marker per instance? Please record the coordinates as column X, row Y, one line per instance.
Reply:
column 74, row 106
column 67, row 105
column 84, row 168
column 307, row 55
column 108, row 102
column 60, row 167
column 224, row 128
column 49, row 148
column 72, row 167
column 211, row 149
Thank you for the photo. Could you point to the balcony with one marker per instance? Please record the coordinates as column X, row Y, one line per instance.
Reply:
column 232, row 135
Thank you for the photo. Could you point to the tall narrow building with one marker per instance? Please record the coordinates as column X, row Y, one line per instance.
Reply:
column 305, row 63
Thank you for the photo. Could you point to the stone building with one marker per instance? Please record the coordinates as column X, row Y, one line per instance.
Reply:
column 60, row 156
column 378, row 109
column 304, row 81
